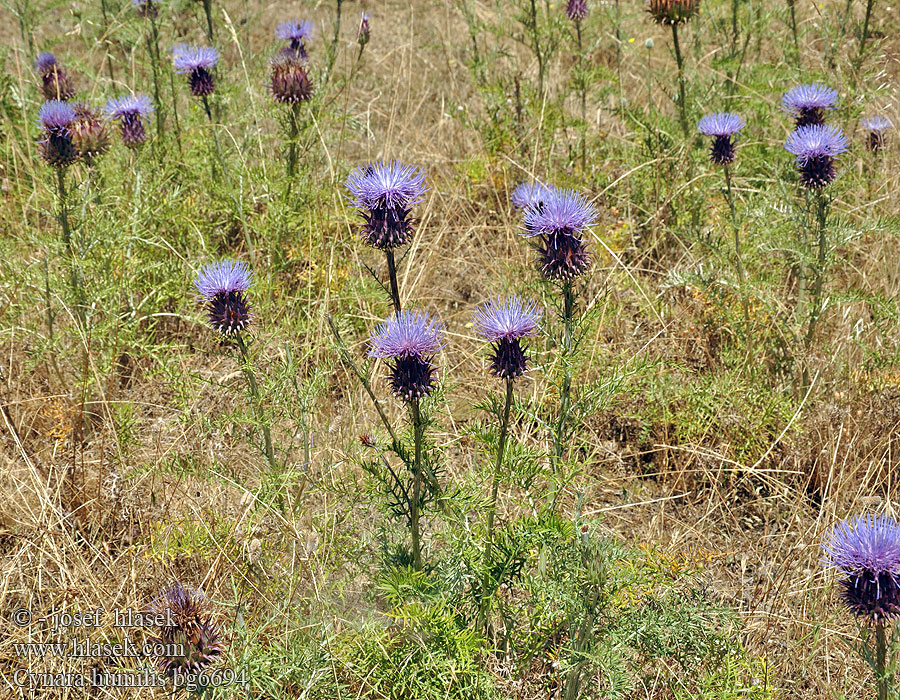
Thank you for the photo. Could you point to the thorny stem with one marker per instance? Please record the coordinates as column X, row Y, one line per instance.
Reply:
column 559, row 447
column 536, row 38
column 207, row 9
column 392, row 275
column 247, row 368
column 583, row 90
column 742, row 277
column 792, row 8
column 865, row 33
column 819, row 277
column 682, row 104
column 396, row 446
column 734, row 25
column 492, row 506
column 294, row 117
column 883, row 679
column 153, row 50
column 332, row 49
column 74, row 277
column 175, row 109
column 415, row 500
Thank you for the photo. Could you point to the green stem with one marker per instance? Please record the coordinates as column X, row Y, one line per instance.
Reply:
column 734, row 26
column 793, row 11
column 74, row 277
column 392, row 276
column 884, row 679
column 247, row 369
column 293, row 131
column 565, row 391
column 153, row 50
column 682, row 104
column 207, row 9
column 536, row 39
column 582, row 86
column 332, row 49
column 865, row 33
column 492, row 507
column 742, row 277
column 818, row 280
column 415, row 500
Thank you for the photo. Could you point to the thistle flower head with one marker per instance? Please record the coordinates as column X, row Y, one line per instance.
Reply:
column 295, row 31
column 671, row 12
column 865, row 550
column 289, row 80
column 56, row 115
column 808, row 103
column 385, row 193
column 576, row 10
column 56, row 147
column 223, row 286
column 816, row 146
column 55, row 82
column 197, row 63
column 529, row 194
column 89, row 134
column 560, row 221
column 563, row 211
column 505, row 321
column 44, row 62
column 506, row 318
column 362, row 34
column 722, row 126
column 130, row 111
column 408, row 341
column 876, row 126
column 191, row 629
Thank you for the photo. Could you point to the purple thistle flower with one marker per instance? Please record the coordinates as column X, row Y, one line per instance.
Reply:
column 44, row 62
column 295, row 31
column 223, row 286
column 866, row 551
column 55, row 82
column 876, row 126
column 816, row 147
column 131, row 111
column 560, row 222
column 57, row 148
column 189, row 628
column 289, row 82
column 384, row 194
column 808, row 103
column 576, row 10
column 89, row 134
column 408, row 341
column 197, row 63
column 504, row 322
column 362, row 34
column 529, row 194
column 722, row 126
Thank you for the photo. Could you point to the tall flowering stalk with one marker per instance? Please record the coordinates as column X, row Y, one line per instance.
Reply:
column 58, row 150
column 505, row 323
column 816, row 149
column 674, row 13
column 197, row 63
column 723, row 127
column 290, row 84
column 577, row 11
column 408, row 342
column 384, row 194
column 149, row 11
column 558, row 223
column 223, row 287
column 865, row 551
